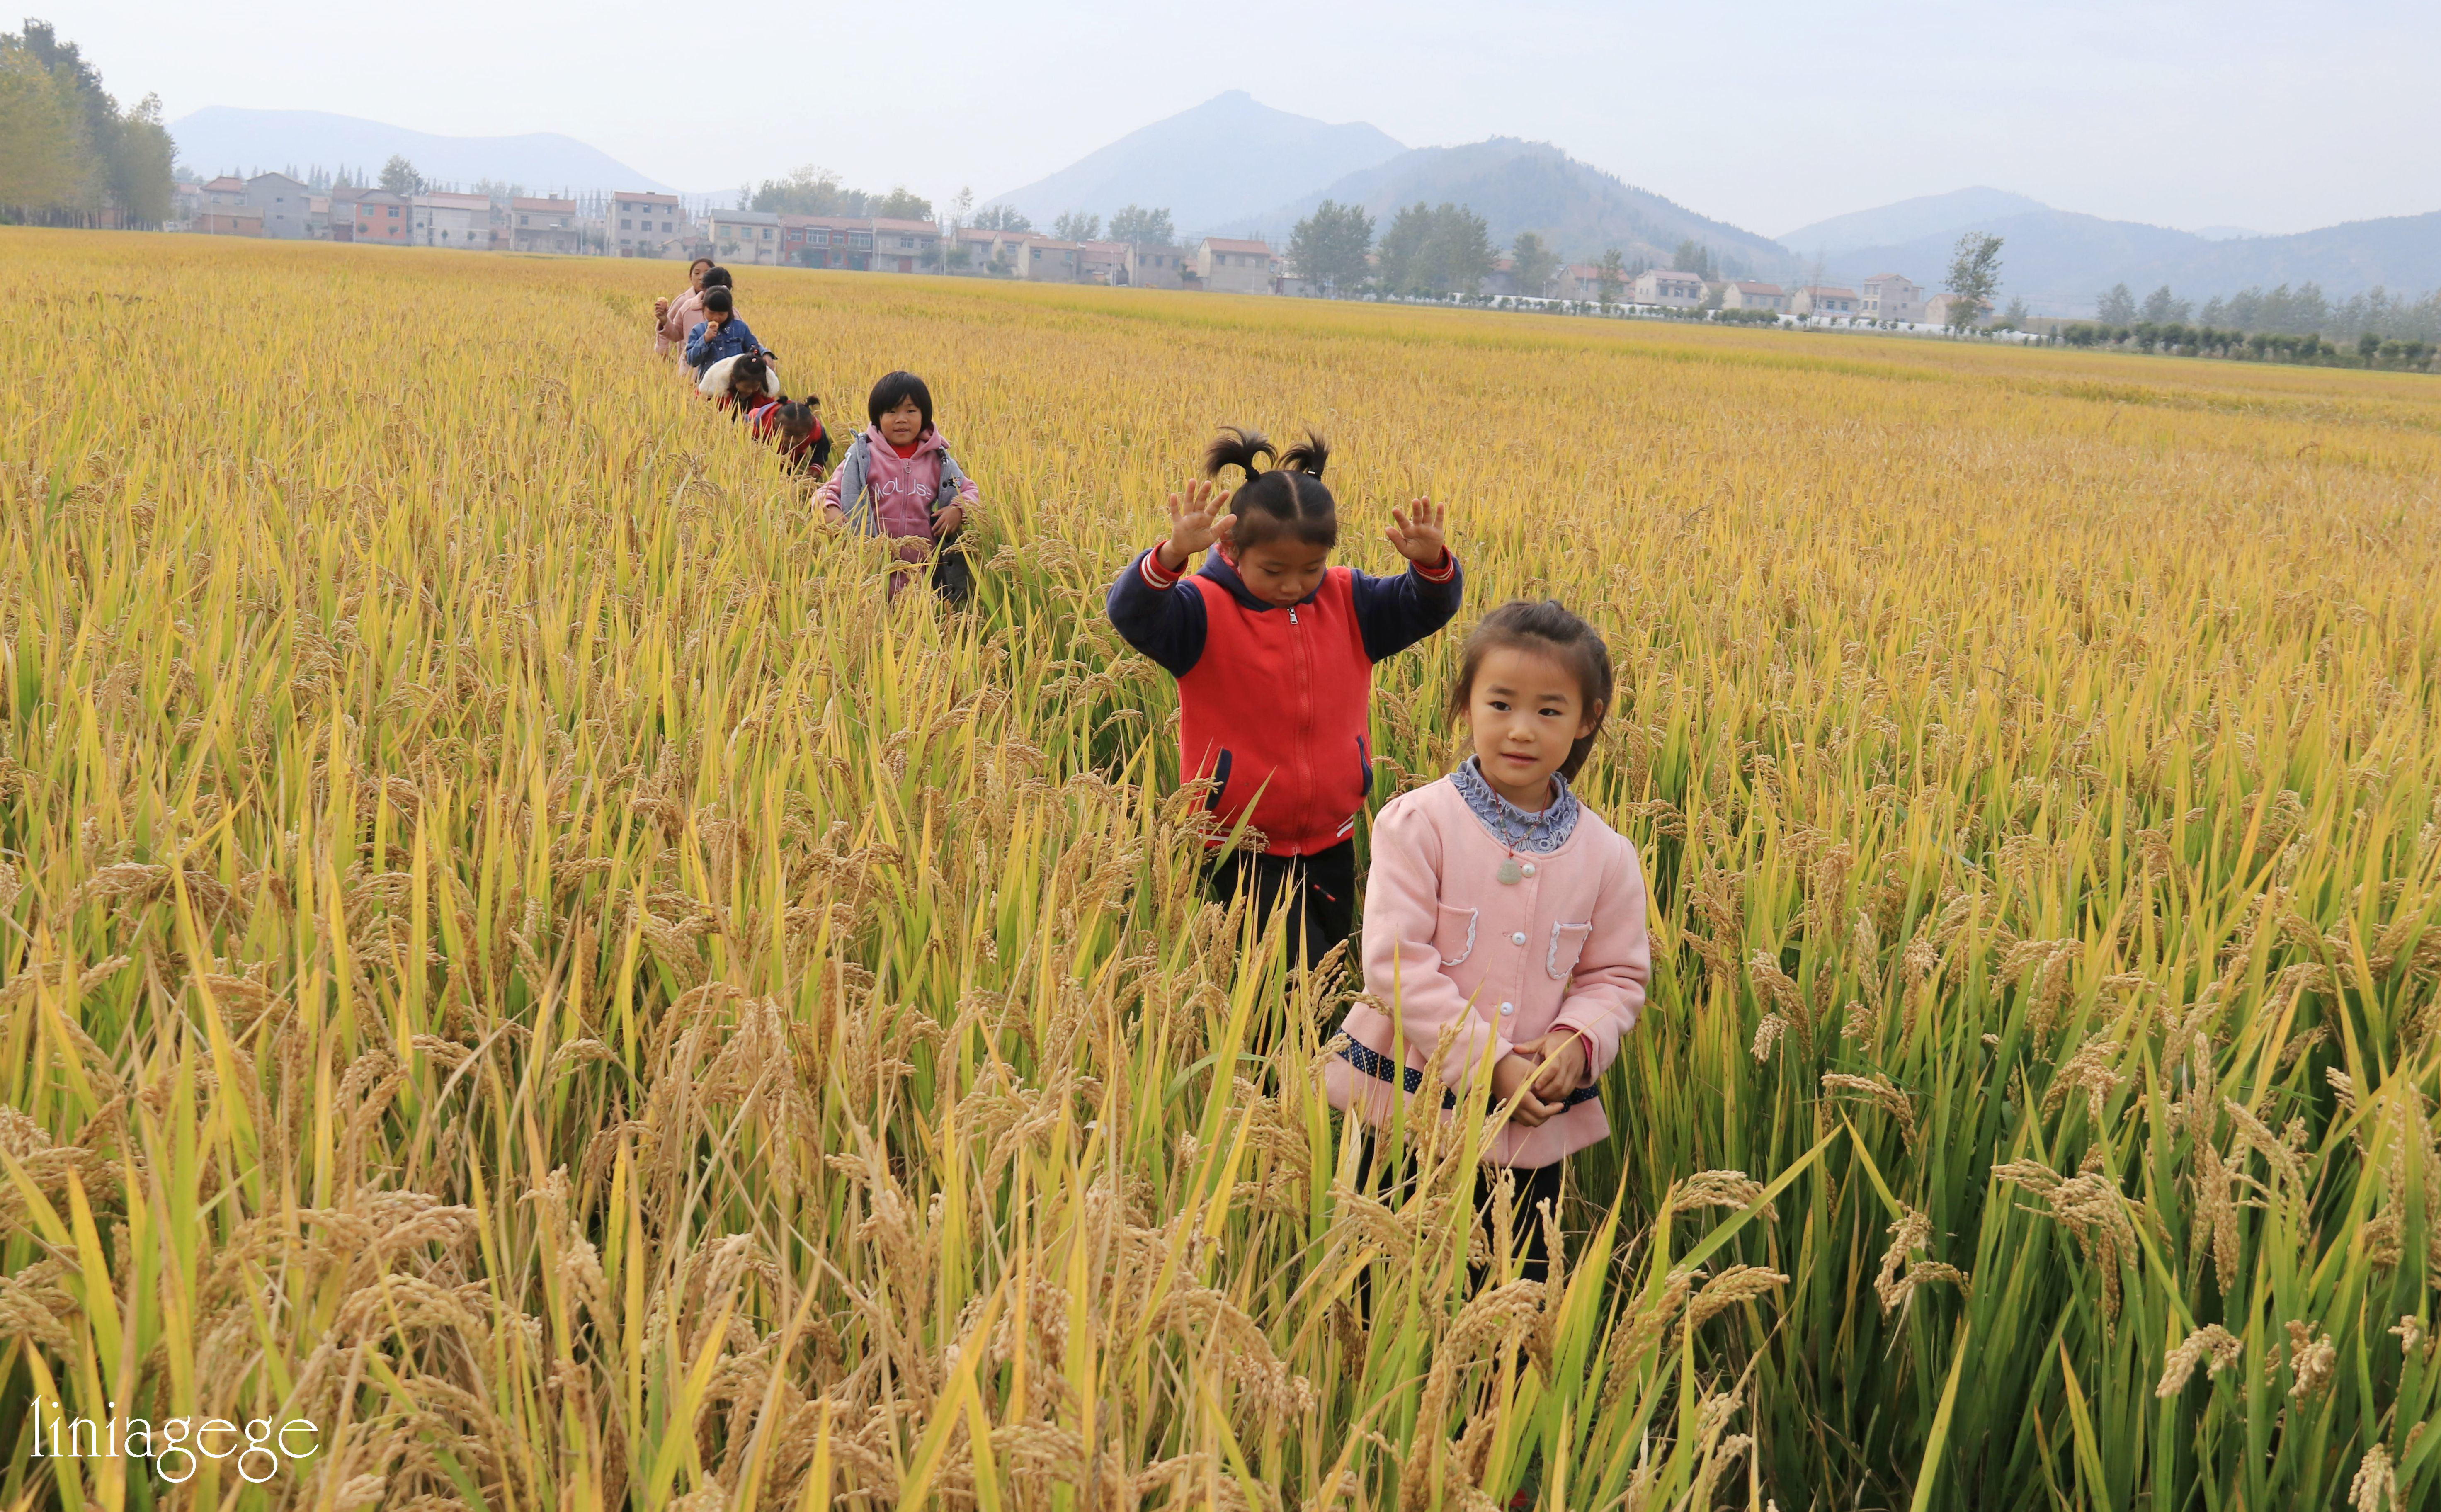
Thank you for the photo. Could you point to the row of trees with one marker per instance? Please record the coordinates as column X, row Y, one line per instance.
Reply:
column 2304, row 310
column 69, row 155
column 2176, row 338
column 1431, row 251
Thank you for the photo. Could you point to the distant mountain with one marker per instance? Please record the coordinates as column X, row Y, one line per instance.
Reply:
column 1521, row 186
column 1927, row 215
column 2058, row 260
column 223, row 139
column 1225, row 159
column 2225, row 233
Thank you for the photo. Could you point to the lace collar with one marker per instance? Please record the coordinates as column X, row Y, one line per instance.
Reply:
column 1535, row 833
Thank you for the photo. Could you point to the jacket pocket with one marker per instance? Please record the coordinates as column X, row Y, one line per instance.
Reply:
column 1567, row 946
column 1220, row 782
column 1453, row 935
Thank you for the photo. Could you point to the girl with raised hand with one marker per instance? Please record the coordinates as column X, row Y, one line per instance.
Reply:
column 1500, row 905
column 1273, row 649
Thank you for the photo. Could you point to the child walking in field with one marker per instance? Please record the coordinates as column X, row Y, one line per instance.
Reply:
column 719, row 333
column 795, row 427
column 1500, row 904
column 672, row 318
column 898, row 481
column 1273, row 649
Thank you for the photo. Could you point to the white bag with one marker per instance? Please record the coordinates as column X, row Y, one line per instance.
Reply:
column 715, row 381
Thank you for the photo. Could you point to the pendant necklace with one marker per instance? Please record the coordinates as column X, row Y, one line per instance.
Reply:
column 1510, row 873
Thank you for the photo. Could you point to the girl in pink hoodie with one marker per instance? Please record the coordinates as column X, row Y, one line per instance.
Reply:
column 1501, row 909
column 898, row 481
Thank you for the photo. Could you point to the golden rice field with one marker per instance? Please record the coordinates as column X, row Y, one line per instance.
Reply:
column 513, row 956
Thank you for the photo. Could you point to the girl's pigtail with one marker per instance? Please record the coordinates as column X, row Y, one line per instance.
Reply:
column 1307, row 456
column 1239, row 447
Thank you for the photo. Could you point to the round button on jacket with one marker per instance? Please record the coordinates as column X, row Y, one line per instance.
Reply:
column 1507, row 1008
column 1519, row 938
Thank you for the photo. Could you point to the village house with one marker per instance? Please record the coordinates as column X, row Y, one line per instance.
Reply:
column 1048, row 260
column 978, row 250
column 543, row 226
column 1823, row 301
column 904, row 246
column 1152, row 266
column 459, row 222
column 1744, row 293
column 747, row 237
column 648, row 225
column 282, row 204
column 1227, row 265
column 1668, row 288
column 1890, row 297
column 380, row 217
column 226, row 193
column 1103, row 263
column 827, row 240
column 1580, row 281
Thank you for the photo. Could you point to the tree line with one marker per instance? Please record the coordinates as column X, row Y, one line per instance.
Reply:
column 69, row 155
column 2304, row 310
column 1434, row 251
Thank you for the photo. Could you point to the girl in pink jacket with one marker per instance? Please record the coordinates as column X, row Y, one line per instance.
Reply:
column 1500, row 905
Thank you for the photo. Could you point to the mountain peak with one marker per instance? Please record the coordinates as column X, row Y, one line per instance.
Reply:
column 1229, row 158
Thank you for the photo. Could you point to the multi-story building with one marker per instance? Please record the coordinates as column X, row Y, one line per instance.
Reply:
column 1229, row 265
column 380, row 217
column 747, row 237
column 282, row 202
column 1744, row 293
column 544, row 225
column 827, row 240
column 1668, row 288
column 459, row 222
column 1823, row 301
column 645, row 224
column 226, row 193
column 1155, row 266
column 1102, row 262
column 904, row 246
column 1048, row 260
column 1890, row 297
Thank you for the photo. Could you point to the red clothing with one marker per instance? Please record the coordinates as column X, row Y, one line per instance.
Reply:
column 906, row 451
column 1275, row 702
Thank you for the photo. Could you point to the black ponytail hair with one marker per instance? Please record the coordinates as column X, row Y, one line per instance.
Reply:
column 716, row 297
column 795, row 416
column 1288, row 499
column 750, row 368
column 1545, row 629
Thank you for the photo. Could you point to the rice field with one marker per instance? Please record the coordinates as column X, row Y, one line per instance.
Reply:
column 513, row 956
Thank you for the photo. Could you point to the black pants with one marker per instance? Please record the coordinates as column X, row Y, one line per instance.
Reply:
column 1318, row 893
column 954, row 572
column 1533, row 1186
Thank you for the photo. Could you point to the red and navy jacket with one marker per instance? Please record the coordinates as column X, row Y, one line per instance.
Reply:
column 1275, row 704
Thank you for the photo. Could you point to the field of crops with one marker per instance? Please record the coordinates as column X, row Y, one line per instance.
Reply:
column 510, row 952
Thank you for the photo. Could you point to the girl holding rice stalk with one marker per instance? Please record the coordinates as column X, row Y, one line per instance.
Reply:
column 1502, row 909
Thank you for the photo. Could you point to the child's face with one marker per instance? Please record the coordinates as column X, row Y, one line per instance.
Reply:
column 901, row 426
column 1524, row 713
column 717, row 317
column 1282, row 570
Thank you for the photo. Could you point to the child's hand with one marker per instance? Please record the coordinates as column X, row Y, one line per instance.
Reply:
column 1192, row 526
column 1563, row 1054
column 945, row 523
column 1512, row 1073
column 1416, row 532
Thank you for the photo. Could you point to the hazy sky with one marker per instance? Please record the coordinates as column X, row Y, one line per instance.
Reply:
column 2266, row 114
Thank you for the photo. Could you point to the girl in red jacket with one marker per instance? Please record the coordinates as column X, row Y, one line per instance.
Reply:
column 1273, row 649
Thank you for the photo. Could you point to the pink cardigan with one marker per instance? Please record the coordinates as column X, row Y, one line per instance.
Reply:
column 684, row 312
column 1446, row 943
